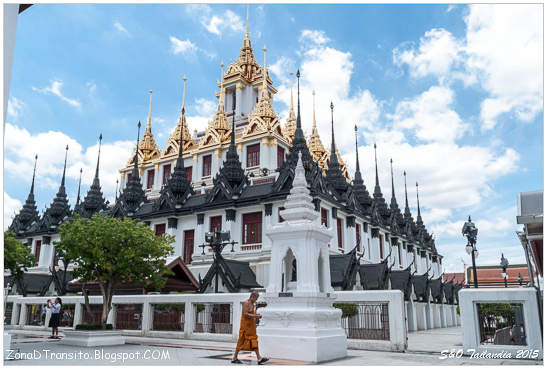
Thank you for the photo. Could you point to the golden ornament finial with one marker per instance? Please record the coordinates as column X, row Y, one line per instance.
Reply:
column 149, row 124
column 247, row 23
column 221, row 96
column 314, row 122
column 264, row 85
column 184, row 93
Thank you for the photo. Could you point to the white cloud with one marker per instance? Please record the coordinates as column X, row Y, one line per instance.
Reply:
column 430, row 116
column 11, row 207
column 501, row 51
column 92, row 87
column 187, row 48
column 121, row 28
column 216, row 23
column 21, row 147
column 314, row 36
column 55, row 89
column 15, row 107
column 182, row 47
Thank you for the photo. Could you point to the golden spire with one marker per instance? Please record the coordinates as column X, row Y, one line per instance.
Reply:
column 314, row 141
column 174, row 139
column 290, row 125
column 147, row 146
column 149, row 125
column 264, row 85
column 183, row 106
column 220, row 121
column 314, row 122
column 247, row 24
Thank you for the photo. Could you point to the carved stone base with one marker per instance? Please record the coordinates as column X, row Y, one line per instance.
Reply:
column 303, row 327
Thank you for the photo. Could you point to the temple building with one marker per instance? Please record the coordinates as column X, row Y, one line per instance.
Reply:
column 235, row 176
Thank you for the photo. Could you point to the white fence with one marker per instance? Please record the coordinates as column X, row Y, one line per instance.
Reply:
column 217, row 316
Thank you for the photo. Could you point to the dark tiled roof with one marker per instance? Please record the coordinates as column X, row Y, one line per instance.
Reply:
column 421, row 286
column 374, row 276
column 400, row 280
column 242, row 270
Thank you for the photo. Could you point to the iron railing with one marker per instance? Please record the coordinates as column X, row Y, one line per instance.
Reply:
column 96, row 312
column 501, row 324
column 129, row 316
column 213, row 318
column 370, row 323
column 34, row 315
column 168, row 317
column 8, row 312
column 67, row 315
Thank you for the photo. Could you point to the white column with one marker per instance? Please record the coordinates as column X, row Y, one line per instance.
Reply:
column 189, row 319
column 77, row 314
column 237, row 307
column 147, row 316
column 23, row 315
column 15, row 313
column 111, row 318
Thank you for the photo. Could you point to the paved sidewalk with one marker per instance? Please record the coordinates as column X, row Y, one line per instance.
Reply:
column 424, row 349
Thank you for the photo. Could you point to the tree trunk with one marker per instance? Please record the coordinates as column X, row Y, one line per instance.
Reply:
column 86, row 303
column 106, row 290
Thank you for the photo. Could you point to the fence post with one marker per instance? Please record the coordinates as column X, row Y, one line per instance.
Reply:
column 147, row 315
column 77, row 314
column 23, row 315
column 236, row 318
column 15, row 314
column 189, row 317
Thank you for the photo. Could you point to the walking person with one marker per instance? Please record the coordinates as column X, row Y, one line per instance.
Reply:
column 55, row 317
column 248, row 340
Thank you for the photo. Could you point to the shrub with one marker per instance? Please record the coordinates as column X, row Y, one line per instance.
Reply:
column 348, row 310
column 92, row 327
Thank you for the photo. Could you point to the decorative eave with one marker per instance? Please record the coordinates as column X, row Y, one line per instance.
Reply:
column 29, row 213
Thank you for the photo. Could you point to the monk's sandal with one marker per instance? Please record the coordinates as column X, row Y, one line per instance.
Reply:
column 263, row 360
column 237, row 361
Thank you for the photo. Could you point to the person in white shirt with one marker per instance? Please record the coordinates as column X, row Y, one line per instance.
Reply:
column 54, row 320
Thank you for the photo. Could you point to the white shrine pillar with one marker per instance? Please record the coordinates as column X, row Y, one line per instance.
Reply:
column 299, row 322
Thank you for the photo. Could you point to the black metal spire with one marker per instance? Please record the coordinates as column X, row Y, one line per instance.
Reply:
column 393, row 199
column 419, row 221
column 359, row 187
column 357, row 177
column 79, row 185
column 64, row 169
column 133, row 194
column 298, row 121
column 334, row 173
column 232, row 169
column 407, row 209
column 94, row 200
column 116, row 193
column 33, row 176
column 377, row 190
column 29, row 212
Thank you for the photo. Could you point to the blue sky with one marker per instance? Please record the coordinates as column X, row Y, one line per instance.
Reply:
column 452, row 93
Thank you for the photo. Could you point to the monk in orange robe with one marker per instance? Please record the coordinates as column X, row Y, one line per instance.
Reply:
column 248, row 340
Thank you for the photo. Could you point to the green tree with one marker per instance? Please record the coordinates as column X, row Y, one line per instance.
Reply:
column 111, row 252
column 17, row 258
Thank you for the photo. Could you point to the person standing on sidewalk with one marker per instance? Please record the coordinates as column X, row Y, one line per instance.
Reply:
column 55, row 317
column 248, row 340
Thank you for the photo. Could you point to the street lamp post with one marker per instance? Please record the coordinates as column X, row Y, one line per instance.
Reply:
column 470, row 231
column 504, row 264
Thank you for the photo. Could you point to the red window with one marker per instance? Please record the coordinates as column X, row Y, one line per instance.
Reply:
column 253, row 155
column 37, row 250
column 325, row 217
column 358, row 236
column 415, row 266
column 281, row 220
column 381, row 239
column 339, row 232
column 252, row 228
column 150, row 179
column 160, row 229
column 54, row 258
column 206, row 169
column 189, row 173
column 280, row 156
column 188, row 246
column 129, row 177
column 166, row 173
column 215, row 224
column 399, row 250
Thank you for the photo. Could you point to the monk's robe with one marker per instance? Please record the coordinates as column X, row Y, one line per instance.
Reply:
column 248, row 340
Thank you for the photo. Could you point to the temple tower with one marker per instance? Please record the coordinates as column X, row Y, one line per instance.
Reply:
column 299, row 322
